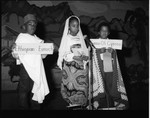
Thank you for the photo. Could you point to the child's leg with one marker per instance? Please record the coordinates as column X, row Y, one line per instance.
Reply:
column 34, row 104
column 112, row 89
column 108, row 87
column 23, row 88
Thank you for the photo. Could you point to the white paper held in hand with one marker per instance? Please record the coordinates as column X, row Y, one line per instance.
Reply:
column 43, row 48
column 113, row 43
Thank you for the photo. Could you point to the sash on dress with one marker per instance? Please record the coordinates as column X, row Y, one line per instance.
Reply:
column 107, row 62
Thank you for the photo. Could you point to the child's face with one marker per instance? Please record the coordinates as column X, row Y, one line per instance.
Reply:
column 75, row 46
column 74, row 27
column 30, row 27
column 104, row 32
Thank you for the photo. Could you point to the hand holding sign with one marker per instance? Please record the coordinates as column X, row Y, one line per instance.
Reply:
column 44, row 48
column 111, row 43
column 107, row 45
column 103, row 50
column 110, row 50
column 14, row 54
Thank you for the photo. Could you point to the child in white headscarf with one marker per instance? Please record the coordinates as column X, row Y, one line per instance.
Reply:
column 73, row 56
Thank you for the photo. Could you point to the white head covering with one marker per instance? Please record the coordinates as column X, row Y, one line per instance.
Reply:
column 64, row 41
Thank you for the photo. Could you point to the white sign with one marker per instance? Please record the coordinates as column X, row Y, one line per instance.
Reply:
column 42, row 48
column 100, row 43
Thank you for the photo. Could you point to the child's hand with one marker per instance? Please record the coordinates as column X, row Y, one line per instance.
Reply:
column 13, row 47
column 15, row 55
column 103, row 50
column 110, row 50
column 85, row 36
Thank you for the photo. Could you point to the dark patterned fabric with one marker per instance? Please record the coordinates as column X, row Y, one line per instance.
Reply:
column 74, row 87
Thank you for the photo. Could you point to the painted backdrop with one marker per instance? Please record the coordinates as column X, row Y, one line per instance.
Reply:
column 128, row 20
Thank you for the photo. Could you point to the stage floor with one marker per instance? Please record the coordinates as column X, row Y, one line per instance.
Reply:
column 54, row 101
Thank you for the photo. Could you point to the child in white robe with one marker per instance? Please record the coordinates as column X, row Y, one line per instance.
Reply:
column 32, row 85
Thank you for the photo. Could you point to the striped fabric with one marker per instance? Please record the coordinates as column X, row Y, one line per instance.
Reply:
column 98, row 85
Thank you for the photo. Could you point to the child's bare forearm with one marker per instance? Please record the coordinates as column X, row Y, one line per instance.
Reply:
column 77, row 58
column 81, row 58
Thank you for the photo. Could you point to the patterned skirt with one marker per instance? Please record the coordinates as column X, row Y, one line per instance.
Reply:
column 74, row 86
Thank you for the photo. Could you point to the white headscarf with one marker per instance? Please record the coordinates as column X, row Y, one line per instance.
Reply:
column 64, row 41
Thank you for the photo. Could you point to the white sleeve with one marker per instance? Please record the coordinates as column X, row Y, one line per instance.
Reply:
column 20, row 38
